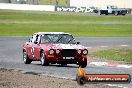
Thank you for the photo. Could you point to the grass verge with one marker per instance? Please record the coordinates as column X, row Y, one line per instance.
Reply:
column 116, row 54
column 75, row 29
column 11, row 15
column 22, row 23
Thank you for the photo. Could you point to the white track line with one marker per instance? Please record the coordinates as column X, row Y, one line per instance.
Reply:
column 124, row 45
column 109, row 64
column 98, row 63
column 103, row 46
column 124, row 66
column 88, row 47
column 114, row 85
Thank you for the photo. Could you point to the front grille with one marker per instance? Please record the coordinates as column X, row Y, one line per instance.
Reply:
column 68, row 52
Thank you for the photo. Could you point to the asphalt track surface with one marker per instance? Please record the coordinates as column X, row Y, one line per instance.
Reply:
column 11, row 58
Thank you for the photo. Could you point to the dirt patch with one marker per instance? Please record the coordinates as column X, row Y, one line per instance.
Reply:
column 15, row 79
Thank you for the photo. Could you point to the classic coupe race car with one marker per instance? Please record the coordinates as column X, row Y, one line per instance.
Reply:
column 54, row 47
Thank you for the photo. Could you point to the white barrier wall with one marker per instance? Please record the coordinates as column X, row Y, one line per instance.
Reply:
column 100, row 3
column 27, row 7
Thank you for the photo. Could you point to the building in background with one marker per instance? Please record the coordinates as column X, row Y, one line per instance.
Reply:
column 101, row 3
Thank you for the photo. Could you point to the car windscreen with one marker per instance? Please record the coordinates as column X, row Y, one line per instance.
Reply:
column 114, row 7
column 57, row 38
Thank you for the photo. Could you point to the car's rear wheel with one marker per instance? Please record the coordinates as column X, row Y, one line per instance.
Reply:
column 44, row 61
column 26, row 58
column 123, row 14
column 116, row 13
column 83, row 64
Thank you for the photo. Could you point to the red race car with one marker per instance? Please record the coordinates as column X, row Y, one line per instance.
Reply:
column 54, row 47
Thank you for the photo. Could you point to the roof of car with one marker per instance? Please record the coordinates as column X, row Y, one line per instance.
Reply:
column 41, row 33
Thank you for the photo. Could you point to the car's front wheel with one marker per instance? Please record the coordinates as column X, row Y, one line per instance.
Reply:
column 123, row 14
column 44, row 61
column 99, row 13
column 83, row 64
column 26, row 58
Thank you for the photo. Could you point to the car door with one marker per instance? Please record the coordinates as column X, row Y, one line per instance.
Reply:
column 30, row 49
column 109, row 9
column 36, row 51
column 36, row 47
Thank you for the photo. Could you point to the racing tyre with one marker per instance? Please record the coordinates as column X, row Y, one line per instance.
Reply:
column 83, row 64
column 123, row 14
column 99, row 13
column 116, row 13
column 26, row 58
column 44, row 61
column 106, row 14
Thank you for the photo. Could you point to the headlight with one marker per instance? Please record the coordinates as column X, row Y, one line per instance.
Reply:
column 51, row 51
column 79, row 51
column 57, row 51
column 85, row 52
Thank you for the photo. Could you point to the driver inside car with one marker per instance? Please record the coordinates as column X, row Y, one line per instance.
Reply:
column 45, row 39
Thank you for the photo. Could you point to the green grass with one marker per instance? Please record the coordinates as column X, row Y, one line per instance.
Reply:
column 17, row 23
column 24, row 16
column 75, row 29
column 116, row 54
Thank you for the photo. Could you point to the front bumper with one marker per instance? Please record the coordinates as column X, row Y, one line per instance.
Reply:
column 70, row 60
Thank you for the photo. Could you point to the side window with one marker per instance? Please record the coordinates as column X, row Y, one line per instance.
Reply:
column 107, row 7
column 38, row 39
column 34, row 38
column 31, row 39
